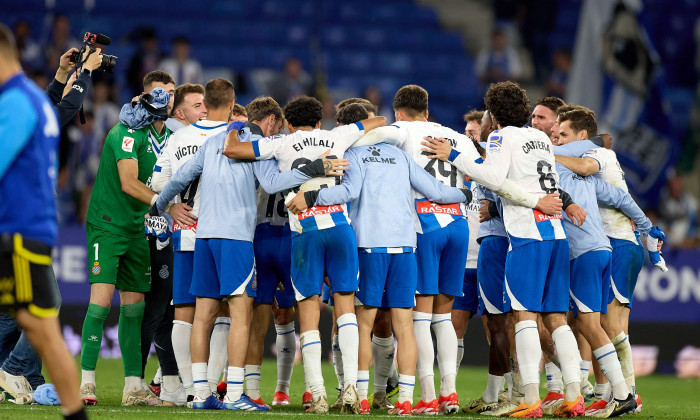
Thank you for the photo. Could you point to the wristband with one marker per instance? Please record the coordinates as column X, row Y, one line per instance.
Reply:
column 453, row 155
column 493, row 210
column 310, row 197
column 154, row 199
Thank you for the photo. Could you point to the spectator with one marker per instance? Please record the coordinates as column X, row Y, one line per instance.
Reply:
column 28, row 50
column 373, row 95
column 61, row 41
column 678, row 210
column 183, row 68
column 104, row 108
column 144, row 60
column 293, row 82
column 81, row 168
column 498, row 63
column 561, row 63
column 328, row 121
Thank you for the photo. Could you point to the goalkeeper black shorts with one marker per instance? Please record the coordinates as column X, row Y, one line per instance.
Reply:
column 27, row 279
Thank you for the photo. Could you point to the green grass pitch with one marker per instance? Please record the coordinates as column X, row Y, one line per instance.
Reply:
column 664, row 397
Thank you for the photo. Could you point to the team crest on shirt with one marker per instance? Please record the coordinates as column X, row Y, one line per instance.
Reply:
column 96, row 268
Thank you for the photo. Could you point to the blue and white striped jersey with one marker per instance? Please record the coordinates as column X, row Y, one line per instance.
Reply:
column 379, row 184
column 183, row 144
column 301, row 147
column 228, row 207
column 523, row 155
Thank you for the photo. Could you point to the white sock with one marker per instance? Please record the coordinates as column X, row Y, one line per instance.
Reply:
column 585, row 370
column 554, row 378
column 527, row 346
column 252, row 381
column 286, row 349
column 383, row 355
column 406, row 385
column 132, row 382
column 349, row 342
column 362, row 384
column 338, row 362
column 446, row 340
column 509, row 383
column 493, row 387
column 158, row 378
column 88, row 377
column 234, row 383
column 607, row 359
column 601, row 391
column 569, row 360
column 460, row 352
column 199, row 376
column 311, row 352
column 624, row 354
column 426, row 354
column 170, row 383
column 181, row 347
column 218, row 351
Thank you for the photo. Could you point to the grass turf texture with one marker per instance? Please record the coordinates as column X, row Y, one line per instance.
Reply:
column 664, row 396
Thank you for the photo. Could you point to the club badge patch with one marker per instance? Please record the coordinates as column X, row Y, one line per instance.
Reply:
column 96, row 268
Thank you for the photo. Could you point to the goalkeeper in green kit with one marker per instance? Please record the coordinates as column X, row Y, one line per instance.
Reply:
column 118, row 251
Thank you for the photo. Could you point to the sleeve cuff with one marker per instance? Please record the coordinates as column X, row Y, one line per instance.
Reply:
column 310, row 197
column 360, row 126
column 256, row 148
column 453, row 155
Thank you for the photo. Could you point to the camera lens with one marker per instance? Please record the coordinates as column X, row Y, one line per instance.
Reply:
column 108, row 62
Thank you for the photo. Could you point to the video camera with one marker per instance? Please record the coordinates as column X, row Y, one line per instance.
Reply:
column 90, row 39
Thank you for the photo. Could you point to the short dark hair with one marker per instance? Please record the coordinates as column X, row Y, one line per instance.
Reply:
column 351, row 113
column 218, row 93
column 239, row 109
column 568, row 107
column 581, row 119
column 474, row 115
column 261, row 107
column 508, row 104
column 304, row 111
column 7, row 42
column 183, row 90
column 369, row 106
column 411, row 99
column 158, row 76
column 551, row 102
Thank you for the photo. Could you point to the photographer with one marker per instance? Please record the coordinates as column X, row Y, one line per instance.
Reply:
column 68, row 106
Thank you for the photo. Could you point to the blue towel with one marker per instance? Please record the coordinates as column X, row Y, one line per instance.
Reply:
column 46, row 395
column 137, row 116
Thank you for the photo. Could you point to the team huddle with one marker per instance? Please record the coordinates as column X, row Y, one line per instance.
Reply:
column 401, row 228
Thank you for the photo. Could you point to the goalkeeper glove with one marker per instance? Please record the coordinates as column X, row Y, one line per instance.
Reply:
column 158, row 227
column 236, row 125
column 656, row 235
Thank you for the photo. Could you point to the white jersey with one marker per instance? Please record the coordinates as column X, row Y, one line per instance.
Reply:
column 431, row 216
column 295, row 150
column 524, row 156
column 473, row 220
column 182, row 146
column 615, row 223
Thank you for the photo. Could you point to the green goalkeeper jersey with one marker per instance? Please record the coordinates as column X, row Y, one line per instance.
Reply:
column 110, row 208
